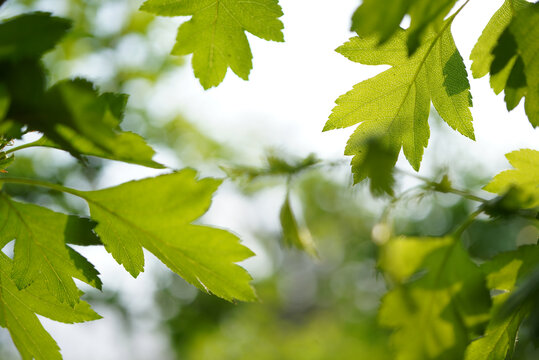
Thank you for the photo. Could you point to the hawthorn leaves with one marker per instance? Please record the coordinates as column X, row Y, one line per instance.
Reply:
column 215, row 34
column 155, row 213
column 393, row 107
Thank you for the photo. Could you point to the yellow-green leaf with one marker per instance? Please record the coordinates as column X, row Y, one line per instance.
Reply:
column 158, row 214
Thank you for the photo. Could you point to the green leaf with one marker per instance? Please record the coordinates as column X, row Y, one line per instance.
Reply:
column 291, row 234
column 157, row 214
column 41, row 253
column 439, row 301
column 503, row 273
column 525, row 176
column 30, row 35
column 481, row 54
column 4, row 102
column 215, row 35
column 508, row 48
column 75, row 118
column 525, row 28
column 5, row 161
column 499, row 339
column 382, row 18
column 376, row 163
column 393, row 107
column 18, row 310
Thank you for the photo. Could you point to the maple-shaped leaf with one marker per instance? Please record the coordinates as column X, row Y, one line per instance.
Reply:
column 215, row 35
column 507, row 49
column 439, row 301
column 41, row 253
column 393, row 107
column 481, row 54
column 382, row 18
column 525, row 177
column 525, row 29
column 18, row 309
column 503, row 272
column 158, row 214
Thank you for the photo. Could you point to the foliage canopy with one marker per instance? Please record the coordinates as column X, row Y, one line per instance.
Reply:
column 466, row 307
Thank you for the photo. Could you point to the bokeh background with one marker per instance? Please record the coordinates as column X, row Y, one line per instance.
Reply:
column 253, row 133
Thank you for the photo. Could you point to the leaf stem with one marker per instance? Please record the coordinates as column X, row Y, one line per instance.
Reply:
column 44, row 184
column 24, row 146
column 448, row 189
column 469, row 220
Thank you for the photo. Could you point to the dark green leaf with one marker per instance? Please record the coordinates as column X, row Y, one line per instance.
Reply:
column 382, row 18
column 30, row 35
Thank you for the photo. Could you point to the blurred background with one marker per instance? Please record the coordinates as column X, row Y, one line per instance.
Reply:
column 264, row 136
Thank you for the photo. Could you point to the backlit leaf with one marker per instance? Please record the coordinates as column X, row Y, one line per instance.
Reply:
column 41, row 253
column 18, row 309
column 393, row 107
column 158, row 214
column 525, row 176
column 215, row 35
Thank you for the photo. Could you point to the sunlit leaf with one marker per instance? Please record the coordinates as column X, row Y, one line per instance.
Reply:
column 215, row 35
column 393, row 107
column 158, row 214
column 18, row 309
column 481, row 54
column 525, row 176
column 41, row 253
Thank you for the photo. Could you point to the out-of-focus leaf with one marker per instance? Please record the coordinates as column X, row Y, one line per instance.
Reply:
column 292, row 236
column 30, row 35
column 157, row 214
column 383, row 17
column 74, row 117
column 503, row 272
column 439, row 294
column 5, row 161
column 41, row 253
column 275, row 166
column 4, row 102
column 215, row 35
column 376, row 163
